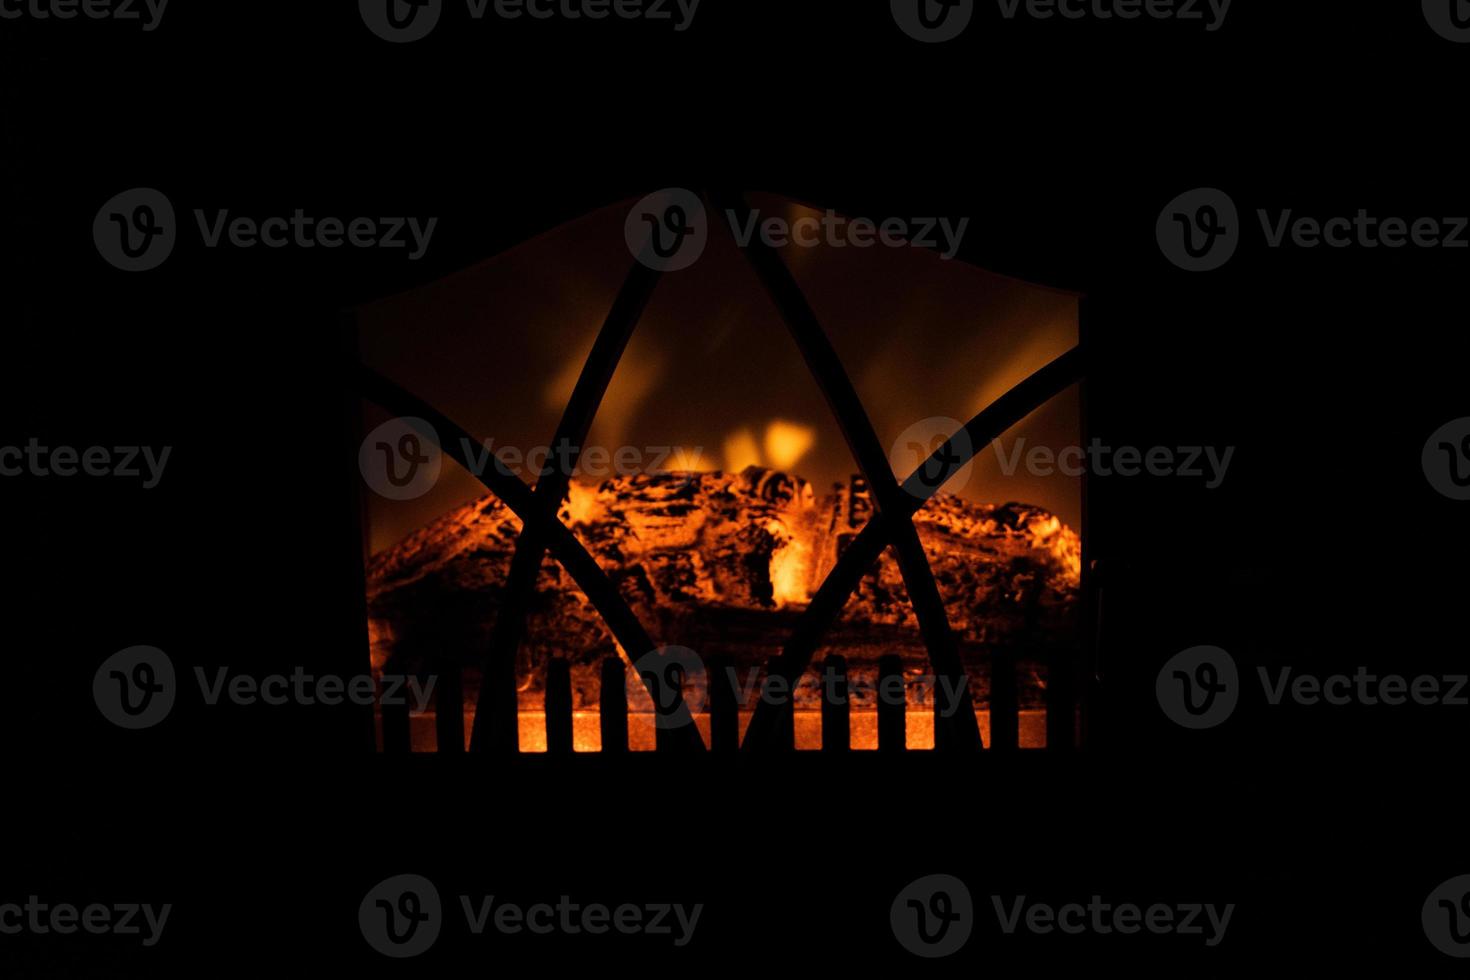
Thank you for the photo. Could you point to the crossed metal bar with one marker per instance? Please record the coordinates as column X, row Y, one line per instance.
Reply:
column 496, row 727
column 955, row 712
column 875, row 535
column 455, row 442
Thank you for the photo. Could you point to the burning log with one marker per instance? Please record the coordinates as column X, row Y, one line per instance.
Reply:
column 723, row 564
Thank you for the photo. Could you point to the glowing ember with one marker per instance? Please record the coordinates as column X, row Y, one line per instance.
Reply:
column 587, row 731
column 786, row 443
column 723, row 564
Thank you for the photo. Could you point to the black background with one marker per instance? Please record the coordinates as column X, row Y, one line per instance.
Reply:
column 1325, row 548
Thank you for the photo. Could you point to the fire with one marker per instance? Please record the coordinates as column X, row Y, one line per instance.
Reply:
column 1063, row 543
column 741, row 451
column 689, row 460
column 581, row 505
column 783, row 446
column 787, row 443
column 791, row 567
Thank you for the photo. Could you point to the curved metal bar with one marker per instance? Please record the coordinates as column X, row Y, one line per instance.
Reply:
column 957, row 727
column 455, row 442
column 862, row 551
column 495, row 724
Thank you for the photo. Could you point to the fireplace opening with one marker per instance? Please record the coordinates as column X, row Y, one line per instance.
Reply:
column 719, row 491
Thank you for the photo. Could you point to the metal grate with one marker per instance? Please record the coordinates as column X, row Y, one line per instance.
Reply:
column 496, row 726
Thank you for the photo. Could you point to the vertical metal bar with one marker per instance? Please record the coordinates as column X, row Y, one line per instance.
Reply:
column 780, row 694
column 960, row 730
column 449, row 708
column 1005, row 722
column 724, row 705
column 397, row 738
column 357, row 656
column 836, row 720
column 892, row 705
column 863, row 550
column 558, row 707
column 495, row 716
column 453, row 440
column 1090, row 617
column 612, row 714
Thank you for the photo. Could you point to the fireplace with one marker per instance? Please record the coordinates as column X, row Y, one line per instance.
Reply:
column 782, row 498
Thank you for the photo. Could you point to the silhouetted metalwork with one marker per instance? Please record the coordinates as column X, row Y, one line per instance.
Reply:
column 612, row 714
column 497, row 711
column 836, row 713
column 864, row 549
column 772, row 723
column 955, row 726
column 456, row 443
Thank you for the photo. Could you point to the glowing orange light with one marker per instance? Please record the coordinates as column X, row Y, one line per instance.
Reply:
column 741, row 451
column 787, row 442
